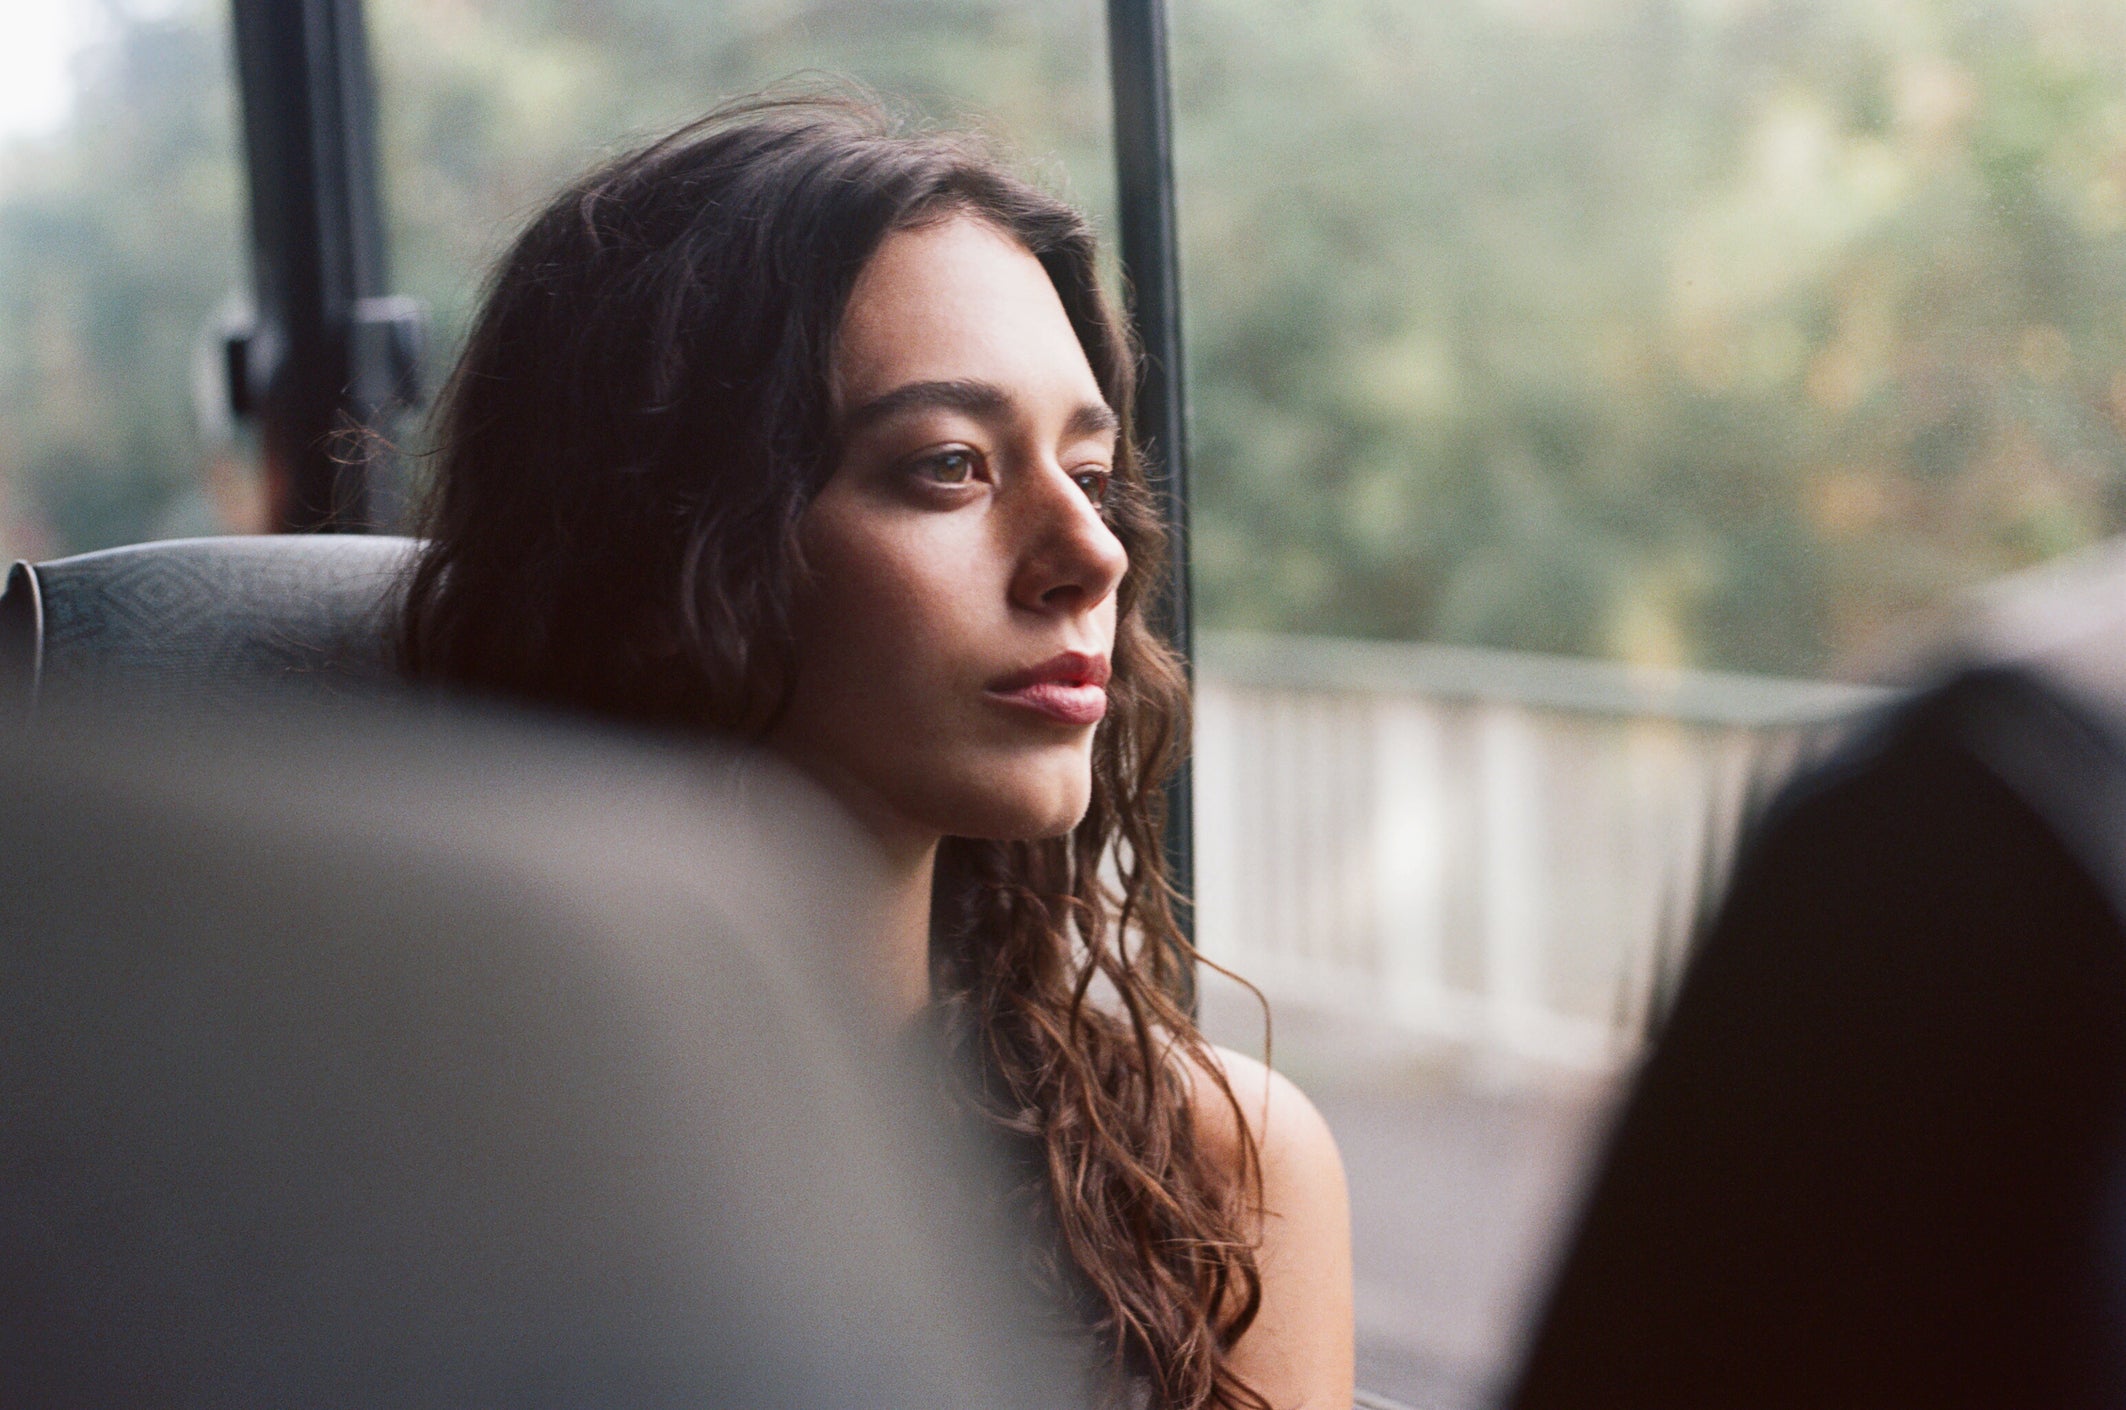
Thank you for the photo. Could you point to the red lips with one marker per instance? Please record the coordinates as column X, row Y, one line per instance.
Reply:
column 1069, row 688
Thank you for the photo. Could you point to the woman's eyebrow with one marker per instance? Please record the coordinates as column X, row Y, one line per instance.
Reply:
column 1092, row 419
column 980, row 399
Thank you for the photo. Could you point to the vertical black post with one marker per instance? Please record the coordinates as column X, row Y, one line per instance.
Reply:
column 328, row 352
column 1151, row 266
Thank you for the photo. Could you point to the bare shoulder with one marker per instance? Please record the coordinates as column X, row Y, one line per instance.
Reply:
column 1299, row 1352
column 1289, row 1133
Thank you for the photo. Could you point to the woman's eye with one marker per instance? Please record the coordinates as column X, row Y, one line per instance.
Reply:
column 1094, row 483
column 950, row 467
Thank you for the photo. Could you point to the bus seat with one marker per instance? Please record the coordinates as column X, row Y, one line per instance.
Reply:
column 1877, row 1155
column 453, row 1061
column 206, row 621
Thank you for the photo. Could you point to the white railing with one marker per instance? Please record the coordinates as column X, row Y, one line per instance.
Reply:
column 1488, row 848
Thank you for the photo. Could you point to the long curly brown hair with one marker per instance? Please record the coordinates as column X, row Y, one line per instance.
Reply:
column 625, row 448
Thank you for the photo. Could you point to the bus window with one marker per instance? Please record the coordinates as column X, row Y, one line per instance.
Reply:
column 121, row 253
column 122, row 221
column 1607, row 394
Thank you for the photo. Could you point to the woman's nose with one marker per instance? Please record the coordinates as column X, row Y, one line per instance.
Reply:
column 1069, row 557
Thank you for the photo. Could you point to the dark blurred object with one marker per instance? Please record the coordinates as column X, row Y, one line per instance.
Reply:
column 203, row 623
column 1878, row 1155
column 451, row 1064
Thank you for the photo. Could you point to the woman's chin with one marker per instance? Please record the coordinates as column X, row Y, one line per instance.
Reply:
column 1019, row 825
column 1024, row 814
column 911, row 803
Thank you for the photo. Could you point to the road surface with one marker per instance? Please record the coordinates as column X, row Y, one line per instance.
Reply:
column 1462, row 1177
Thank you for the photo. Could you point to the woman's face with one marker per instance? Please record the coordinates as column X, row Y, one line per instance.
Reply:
column 954, row 633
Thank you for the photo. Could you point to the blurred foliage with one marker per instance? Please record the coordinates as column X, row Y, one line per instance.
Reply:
column 1724, row 332
column 1735, row 334
column 118, row 244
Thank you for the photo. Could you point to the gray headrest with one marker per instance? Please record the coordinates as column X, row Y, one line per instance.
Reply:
column 204, row 621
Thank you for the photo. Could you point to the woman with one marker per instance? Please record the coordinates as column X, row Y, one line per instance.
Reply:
column 795, row 428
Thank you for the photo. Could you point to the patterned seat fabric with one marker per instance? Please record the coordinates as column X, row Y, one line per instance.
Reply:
column 206, row 623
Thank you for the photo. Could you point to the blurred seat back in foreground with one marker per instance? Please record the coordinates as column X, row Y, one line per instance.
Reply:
column 203, row 621
column 1878, row 1154
column 439, row 1063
